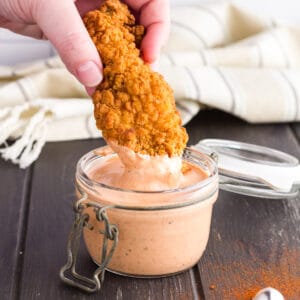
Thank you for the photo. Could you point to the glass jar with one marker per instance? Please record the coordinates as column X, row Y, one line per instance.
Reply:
column 151, row 234
column 142, row 234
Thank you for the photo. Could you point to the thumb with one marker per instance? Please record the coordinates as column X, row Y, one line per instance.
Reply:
column 62, row 25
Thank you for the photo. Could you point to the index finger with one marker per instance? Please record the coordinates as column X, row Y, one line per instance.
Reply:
column 63, row 26
column 155, row 16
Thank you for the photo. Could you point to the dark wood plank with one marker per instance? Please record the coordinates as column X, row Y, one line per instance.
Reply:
column 251, row 243
column 51, row 216
column 252, row 240
column 49, row 223
column 296, row 129
column 13, row 194
column 214, row 124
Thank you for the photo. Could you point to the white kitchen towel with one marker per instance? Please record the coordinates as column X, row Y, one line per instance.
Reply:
column 221, row 56
column 218, row 56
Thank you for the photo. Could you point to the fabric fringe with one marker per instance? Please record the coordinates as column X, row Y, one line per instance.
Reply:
column 32, row 130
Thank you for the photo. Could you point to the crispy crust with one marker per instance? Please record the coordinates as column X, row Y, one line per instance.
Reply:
column 134, row 106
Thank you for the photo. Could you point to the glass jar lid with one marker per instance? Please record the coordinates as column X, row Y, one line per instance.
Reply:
column 254, row 170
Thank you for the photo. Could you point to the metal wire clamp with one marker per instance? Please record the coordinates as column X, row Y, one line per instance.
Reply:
column 68, row 272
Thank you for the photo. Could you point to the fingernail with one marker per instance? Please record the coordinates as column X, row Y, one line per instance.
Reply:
column 89, row 74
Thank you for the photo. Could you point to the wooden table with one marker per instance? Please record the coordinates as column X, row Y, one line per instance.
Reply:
column 248, row 235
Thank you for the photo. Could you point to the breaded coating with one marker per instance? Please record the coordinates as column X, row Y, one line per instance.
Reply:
column 134, row 106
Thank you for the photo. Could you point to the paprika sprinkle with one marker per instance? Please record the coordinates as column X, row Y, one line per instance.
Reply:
column 239, row 280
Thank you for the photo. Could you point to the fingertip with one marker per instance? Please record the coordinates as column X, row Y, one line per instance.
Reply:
column 153, row 42
column 90, row 90
column 150, row 48
column 155, row 16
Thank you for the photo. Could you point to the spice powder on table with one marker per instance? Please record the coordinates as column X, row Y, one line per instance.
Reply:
column 246, row 279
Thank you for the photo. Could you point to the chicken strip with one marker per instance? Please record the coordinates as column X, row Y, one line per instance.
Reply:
column 134, row 106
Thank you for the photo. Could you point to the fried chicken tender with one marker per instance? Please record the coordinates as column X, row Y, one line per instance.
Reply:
column 134, row 106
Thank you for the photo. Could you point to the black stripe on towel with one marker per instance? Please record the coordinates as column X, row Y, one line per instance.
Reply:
column 191, row 30
column 203, row 57
column 191, row 75
column 294, row 91
column 171, row 59
column 231, row 91
column 23, row 91
column 184, row 108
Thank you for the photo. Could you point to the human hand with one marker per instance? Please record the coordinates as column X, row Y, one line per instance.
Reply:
column 60, row 22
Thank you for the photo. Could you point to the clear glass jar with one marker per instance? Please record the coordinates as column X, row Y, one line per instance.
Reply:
column 160, row 233
column 146, row 234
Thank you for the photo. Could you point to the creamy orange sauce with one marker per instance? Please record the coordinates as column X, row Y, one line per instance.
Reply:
column 133, row 171
column 154, row 242
column 113, row 173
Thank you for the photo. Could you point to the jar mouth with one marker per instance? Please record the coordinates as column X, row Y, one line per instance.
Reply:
column 190, row 155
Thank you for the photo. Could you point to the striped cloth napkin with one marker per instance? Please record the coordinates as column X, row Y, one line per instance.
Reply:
column 227, row 58
column 218, row 56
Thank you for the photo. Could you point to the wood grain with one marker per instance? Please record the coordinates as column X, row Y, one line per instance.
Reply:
column 249, row 234
column 245, row 231
column 214, row 124
column 14, row 186
column 50, row 219
column 296, row 128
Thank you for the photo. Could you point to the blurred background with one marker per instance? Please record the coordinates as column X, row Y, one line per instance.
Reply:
column 16, row 49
